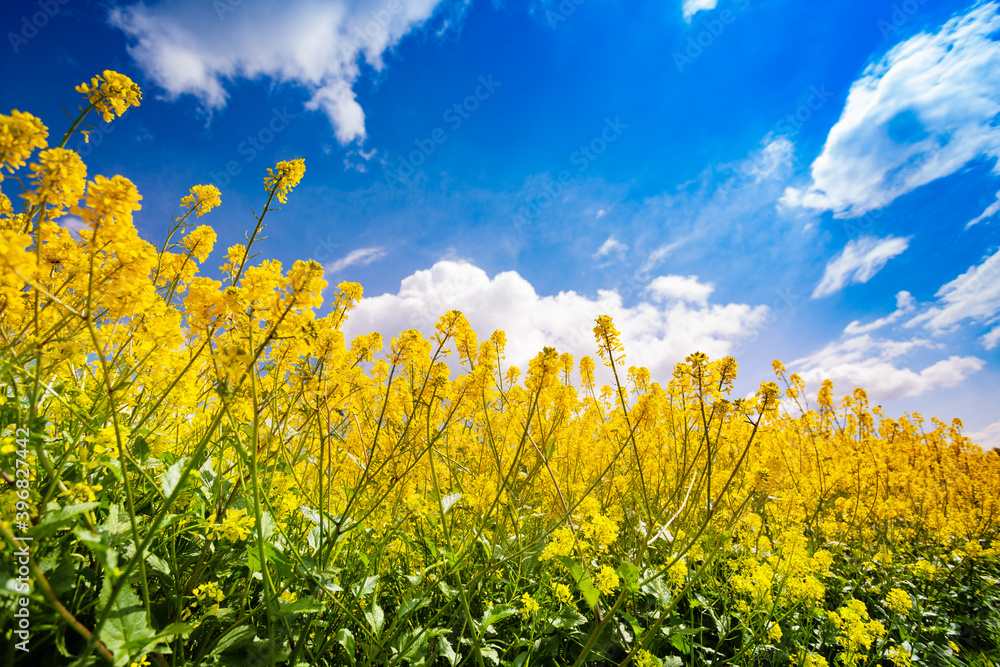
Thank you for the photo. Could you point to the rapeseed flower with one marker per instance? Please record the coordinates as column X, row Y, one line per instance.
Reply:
column 111, row 93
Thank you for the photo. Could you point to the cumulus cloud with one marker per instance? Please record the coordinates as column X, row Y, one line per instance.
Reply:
column 195, row 47
column 989, row 437
column 655, row 335
column 875, row 365
column 679, row 288
column 974, row 295
column 692, row 7
column 920, row 113
column 362, row 256
column 858, row 262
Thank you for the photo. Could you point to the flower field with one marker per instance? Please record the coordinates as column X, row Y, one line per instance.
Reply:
column 205, row 472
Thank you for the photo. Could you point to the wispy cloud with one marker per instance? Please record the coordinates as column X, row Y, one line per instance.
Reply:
column 612, row 245
column 362, row 256
column 974, row 295
column 919, row 114
column 859, row 260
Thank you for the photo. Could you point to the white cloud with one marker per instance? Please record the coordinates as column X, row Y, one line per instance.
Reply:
column 195, row 47
column 655, row 335
column 776, row 154
column 612, row 245
column 974, row 295
column 873, row 364
column 990, row 211
column 73, row 223
column 692, row 7
column 679, row 288
column 858, row 262
column 905, row 303
column 362, row 256
column 919, row 114
column 989, row 437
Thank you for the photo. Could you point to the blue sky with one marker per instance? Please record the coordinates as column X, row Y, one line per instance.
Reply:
column 770, row 179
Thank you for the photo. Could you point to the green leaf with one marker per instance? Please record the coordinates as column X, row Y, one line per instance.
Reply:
column 237, row 638
column 346, row 639
column 583, row 580
column 56, row 517
column 494, row 614
column 126, row 630
column 445, row 650
column 304, row 605
column 410, row 606
column 630, row 576
column 113, row 525
column 157, row 563
column 366, row 587
column 375, row 617
column 569, row 618
column 103, row 551
column 170, row 479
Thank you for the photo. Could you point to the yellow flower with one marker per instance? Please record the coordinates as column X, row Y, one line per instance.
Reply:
column 644, row 658
column 562, row 593
column 203, row 198
column 110, row 201
column 235, row 527
column 898, row 601
column 81, row 492
column 606, row 580
column 608, row 340
column 20, row 134
column 285, row 176
column 59, row 180
column 774, row 633
column 899, row 657
column 530, row 606
column 141, row 662
column 602, row 530
column 111, row 93
column 199, row 242
column 211, row 595
column 287, row 596
column 813, row 660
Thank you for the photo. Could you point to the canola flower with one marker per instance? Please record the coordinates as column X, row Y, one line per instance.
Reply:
column 382, row 481
column 111, row 94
